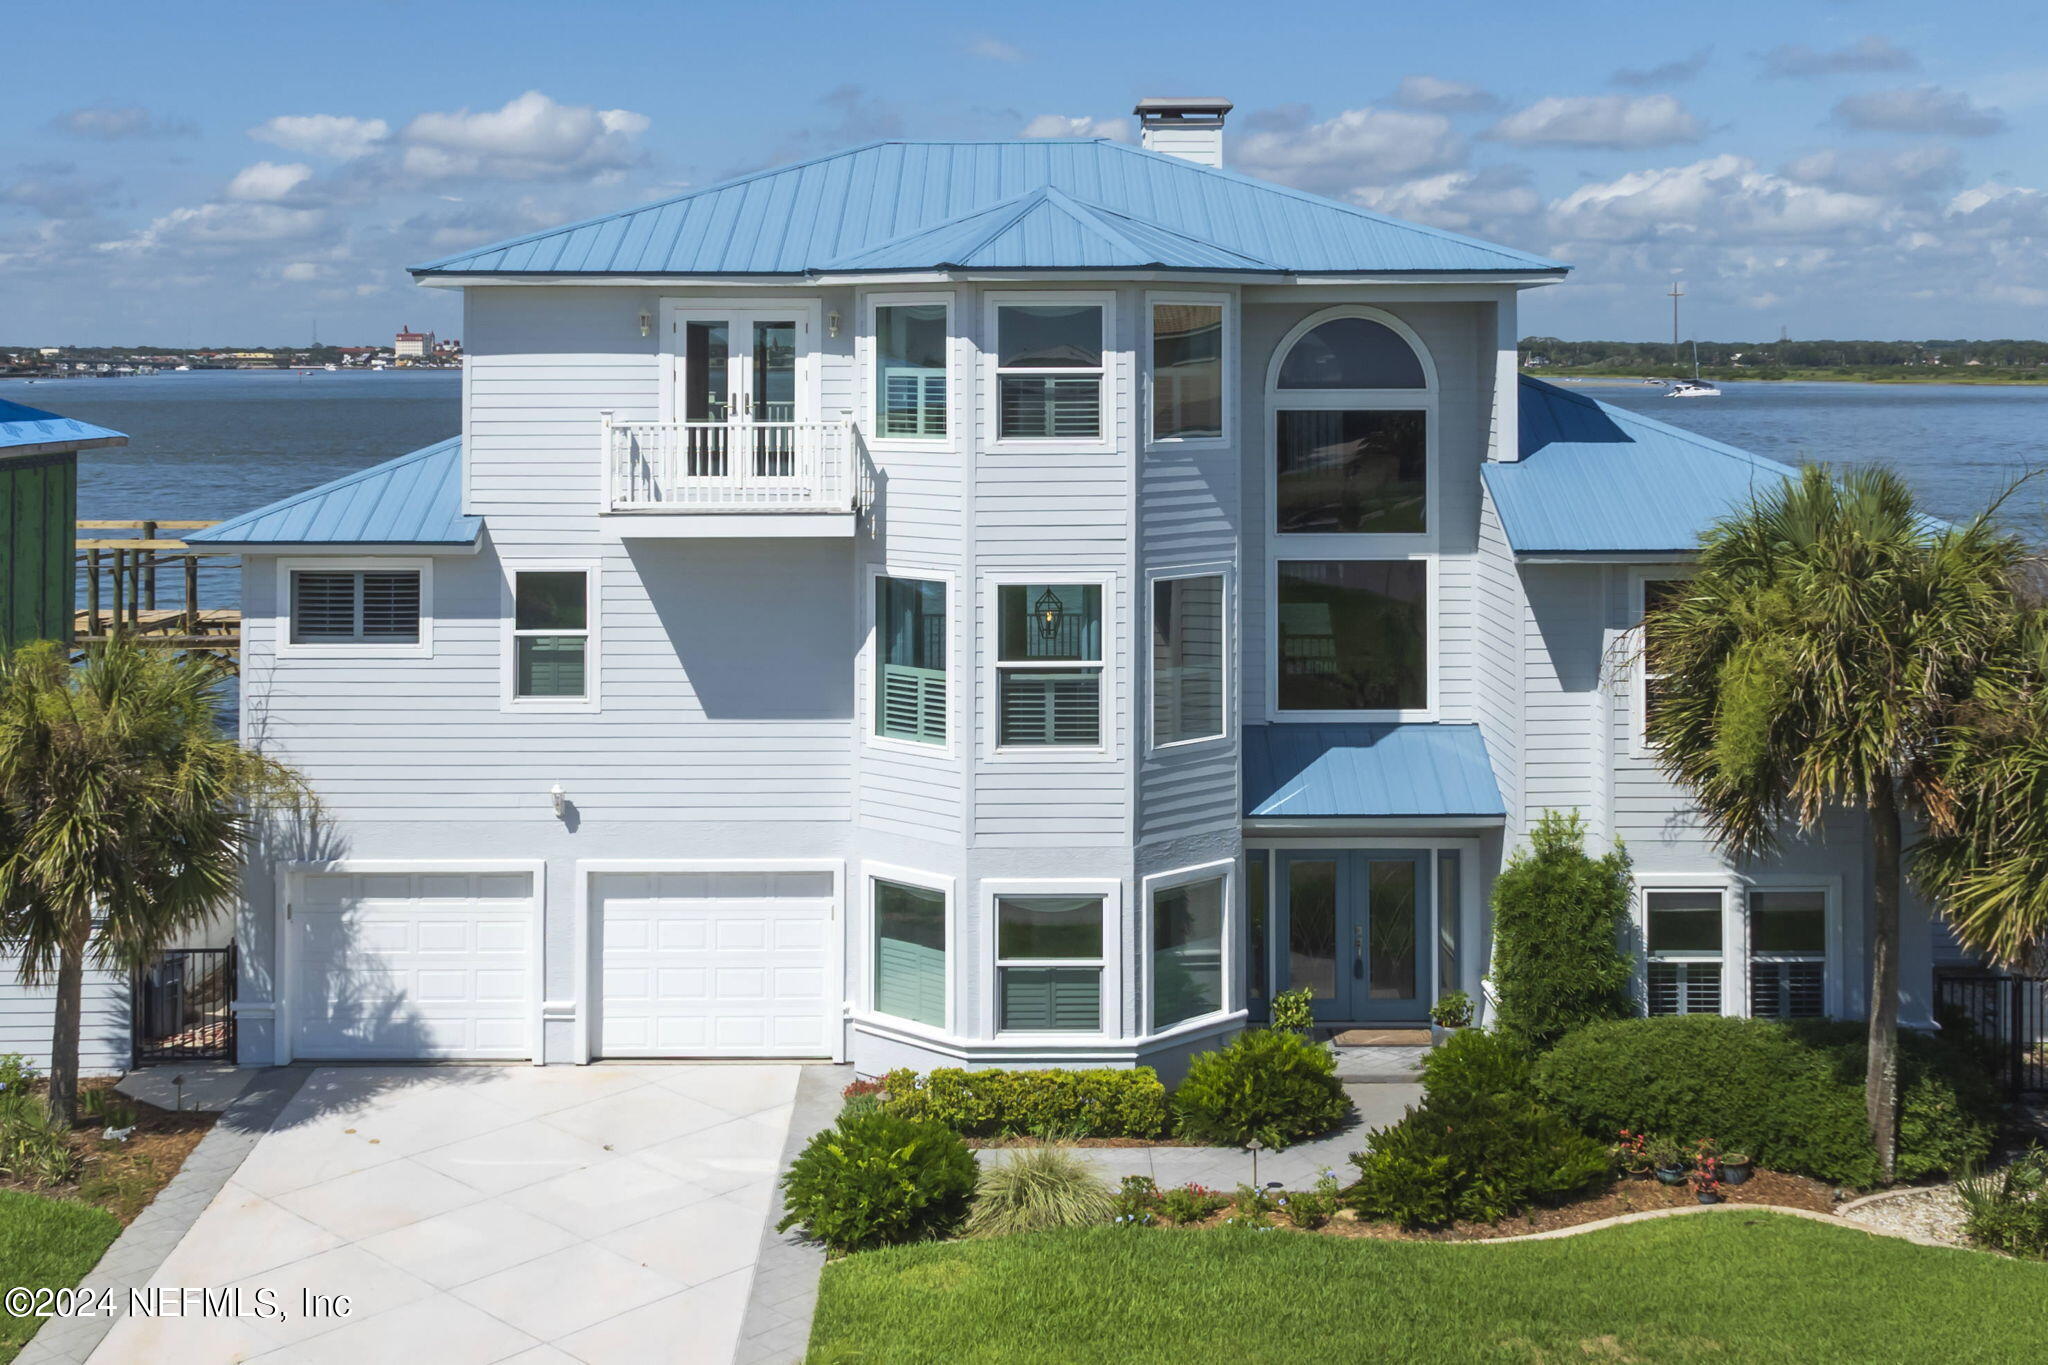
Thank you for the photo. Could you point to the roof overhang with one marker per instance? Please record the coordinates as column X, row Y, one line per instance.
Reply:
column 1605, row 556
column 1266, row 827
column 827, row 279
column 22, row 452
column 344, row 547
column 1310, row 775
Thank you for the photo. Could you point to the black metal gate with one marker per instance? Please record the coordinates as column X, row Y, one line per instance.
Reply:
column 2011, row 1011
column 182, row 1009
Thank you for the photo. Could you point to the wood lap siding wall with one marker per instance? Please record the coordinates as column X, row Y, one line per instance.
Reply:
column 38, row 508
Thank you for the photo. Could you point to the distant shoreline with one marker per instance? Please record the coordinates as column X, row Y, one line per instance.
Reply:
column 1917, row 376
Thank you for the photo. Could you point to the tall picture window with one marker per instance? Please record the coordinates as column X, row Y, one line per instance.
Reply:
column 1049, row 371
column 1049, row 664
column 910, row 952
column 1187, row 659
column 1187, row 371
column 1353, row 635
column 910, row 371
column 1187, row 952
column 910, row 659
column 1343, row 472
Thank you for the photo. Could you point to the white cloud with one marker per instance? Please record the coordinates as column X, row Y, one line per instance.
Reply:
column 300, row 271
column 55, row 189
column 1618, row 121
column 1357, row 147
column 995, row 50
column 530, row 138
column 1078, row 125
column 269, row 180
column 1721, row 199
column 1872, row 52
column 1434, row 94
column 236, row 226
column 330, row 135
column 1496, row 201
column 1919, row 109
column 1899, row 170
column 118, row 123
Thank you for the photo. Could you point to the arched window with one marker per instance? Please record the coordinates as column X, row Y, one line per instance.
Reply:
column 1352, row 353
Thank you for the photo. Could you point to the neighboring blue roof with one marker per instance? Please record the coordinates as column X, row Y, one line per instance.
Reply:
column 1597, row 479
column 21, row 425
column 415, row 499
column 1334, row 771
column 1031, row 204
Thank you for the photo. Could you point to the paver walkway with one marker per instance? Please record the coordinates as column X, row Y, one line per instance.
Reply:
column 477, row 1214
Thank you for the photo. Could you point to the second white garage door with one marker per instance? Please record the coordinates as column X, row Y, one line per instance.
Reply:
column 714, row 964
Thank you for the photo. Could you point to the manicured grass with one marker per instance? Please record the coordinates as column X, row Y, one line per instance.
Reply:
column 46, row 1242
column 1719, row 1287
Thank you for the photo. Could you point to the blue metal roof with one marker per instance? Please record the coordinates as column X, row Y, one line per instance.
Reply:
column 1334, row 771
column 1597, row 479
column 415, row 499
column 23, row 427
column 1031, row 204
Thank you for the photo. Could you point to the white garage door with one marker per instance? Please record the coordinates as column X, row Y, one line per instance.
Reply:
column 412, row 964
column 714, row 964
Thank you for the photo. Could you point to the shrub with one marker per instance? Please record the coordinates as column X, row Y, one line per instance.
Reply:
column 1095, row 1103
column 1479, row 1147
column 1191, row 1203
column 1558, row 918
column 1270, row 1085
column 2008, row 1210
column 1294, row 1011
column 1453, row 1009
column 1790, row 1095
column 35, row 1146
column 1136, row 1202
column 1313, row 1207
column 17, row 1073
column 878, row 1179
column 1031, row 1189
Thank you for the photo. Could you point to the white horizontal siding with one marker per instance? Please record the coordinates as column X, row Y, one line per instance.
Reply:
column 27, row 1014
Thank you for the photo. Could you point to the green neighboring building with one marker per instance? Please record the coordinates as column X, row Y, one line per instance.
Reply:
column 38, row 519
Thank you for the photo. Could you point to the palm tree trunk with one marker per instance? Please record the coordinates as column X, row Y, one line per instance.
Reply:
column 64, row 1030
column 1881, row 1076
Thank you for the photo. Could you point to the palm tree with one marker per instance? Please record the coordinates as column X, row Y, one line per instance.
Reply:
column 124, row 812
column 1813, row 662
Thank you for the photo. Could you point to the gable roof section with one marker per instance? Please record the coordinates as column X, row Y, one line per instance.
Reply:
column 415, row 499
column 1597, row 479
column 31, row 431
column 898, row 206
column 1368, row 770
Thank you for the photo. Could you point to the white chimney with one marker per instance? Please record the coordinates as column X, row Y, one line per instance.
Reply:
column 1191, row 128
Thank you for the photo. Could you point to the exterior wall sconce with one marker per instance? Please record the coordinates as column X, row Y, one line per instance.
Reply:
column 560, row 798
column 832, row 324
column 646, row 322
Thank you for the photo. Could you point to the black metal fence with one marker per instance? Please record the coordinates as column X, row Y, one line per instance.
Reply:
column 2010, row 1011
column 182, row 1009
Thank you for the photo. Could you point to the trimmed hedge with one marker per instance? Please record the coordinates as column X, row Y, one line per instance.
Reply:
column 1788, row 1094
column 1095, row 1103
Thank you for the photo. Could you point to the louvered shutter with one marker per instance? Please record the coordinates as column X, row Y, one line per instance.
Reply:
column 913, row 402
column 1052, row 999
column 324, row 606
column 913, row 703
column 1046, row 707
column 551, row 665
column 1050, row 408
column 391, row 607
column 1786, row 990
column 1685, row 988
column 910, row 981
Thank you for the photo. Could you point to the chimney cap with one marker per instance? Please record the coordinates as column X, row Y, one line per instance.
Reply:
column 1199, row 105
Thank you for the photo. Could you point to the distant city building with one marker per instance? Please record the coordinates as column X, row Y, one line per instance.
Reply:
column 447, row 346
column 415, row 344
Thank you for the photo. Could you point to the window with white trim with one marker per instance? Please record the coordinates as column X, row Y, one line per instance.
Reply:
column 1683, row 930
column 910, row 659
column 1352, row 635
column 1187, row 370
column 1049, row 371
column 355, row 606
column 910, row 952
column 550, row 634
column 910, row 371
column 1187, row 951
column 1049, row 665
column 1788, row 954
column 1657, row 595
column 1187, row 659
column 1049, row 964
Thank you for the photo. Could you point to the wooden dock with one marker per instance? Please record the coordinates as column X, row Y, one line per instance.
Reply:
column 130, row 580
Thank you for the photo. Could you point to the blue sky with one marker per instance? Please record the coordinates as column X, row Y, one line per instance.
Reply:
column 219, row 171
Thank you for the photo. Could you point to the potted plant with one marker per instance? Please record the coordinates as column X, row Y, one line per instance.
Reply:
column 1632, row 1154
column 1667, row 1160
column 1737, row 1167
column 1706, row 1186
column 1451, row 1012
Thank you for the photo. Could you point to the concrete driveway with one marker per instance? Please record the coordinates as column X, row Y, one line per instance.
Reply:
column 597, row 1214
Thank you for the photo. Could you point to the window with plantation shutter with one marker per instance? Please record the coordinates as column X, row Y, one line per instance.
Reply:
column 910, row 371
column 1049, row 962
column 1049, row 371
column 910, row 952
column 550, row 634
column 910, row 659
column 1788, row 946
column 1049, row 665
column 355, row 606
column 1684, row 934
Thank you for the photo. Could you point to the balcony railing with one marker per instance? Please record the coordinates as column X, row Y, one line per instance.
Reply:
column 730, row 466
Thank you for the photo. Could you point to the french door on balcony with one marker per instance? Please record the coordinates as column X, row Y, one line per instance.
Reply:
column 744, row 390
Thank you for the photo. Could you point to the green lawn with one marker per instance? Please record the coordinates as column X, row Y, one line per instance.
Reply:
column 1721, row 1288
column 46, row 1242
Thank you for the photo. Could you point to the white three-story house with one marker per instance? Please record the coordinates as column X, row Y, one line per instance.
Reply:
column 986, row 603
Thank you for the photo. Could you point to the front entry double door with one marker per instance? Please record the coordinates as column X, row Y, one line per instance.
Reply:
column 1353, row 929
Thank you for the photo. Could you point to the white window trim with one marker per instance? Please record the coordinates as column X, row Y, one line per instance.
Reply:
column 991, row 386
column 1153, row 579
column 1228, row 303
column 867, row 355
column 870, row 660
column 1832, row 966
column 287, row 648
column 1367, row 545
column 1734, row 922
column 1225, row 871
column 992, row 714
column 508, row 649
column 1432, row 612
column 1639, row 580
column 862, row 986
column 1111, row 892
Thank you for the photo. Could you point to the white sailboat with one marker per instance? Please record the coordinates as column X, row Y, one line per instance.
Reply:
column 1694, row 387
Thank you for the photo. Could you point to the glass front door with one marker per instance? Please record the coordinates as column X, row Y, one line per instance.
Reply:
column 738, row 392
column 1352, row 930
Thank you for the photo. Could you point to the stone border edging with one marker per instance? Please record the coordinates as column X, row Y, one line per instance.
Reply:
column 1903, row 1192
column 1619, row 1219
column 145, row 1243
column 783, row 1295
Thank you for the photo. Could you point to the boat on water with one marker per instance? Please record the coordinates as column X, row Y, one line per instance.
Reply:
column 1692, row 388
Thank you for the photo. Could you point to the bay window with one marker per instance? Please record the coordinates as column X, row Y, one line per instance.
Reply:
column 1187, row 951
column 1187, row 370
column 910, row 659
column 1049, row 664
column 1050, row 367
column 1049, row 964
column 910, row 952
column 1187, row 659
column 910, row 371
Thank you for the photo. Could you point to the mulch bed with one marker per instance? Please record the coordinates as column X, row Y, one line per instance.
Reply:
column 1024, row 1140
column 123, row 1177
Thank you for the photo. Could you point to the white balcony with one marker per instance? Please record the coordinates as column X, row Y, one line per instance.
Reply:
column 732, row 478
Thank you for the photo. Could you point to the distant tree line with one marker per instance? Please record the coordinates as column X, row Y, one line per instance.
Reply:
column 1659, row 357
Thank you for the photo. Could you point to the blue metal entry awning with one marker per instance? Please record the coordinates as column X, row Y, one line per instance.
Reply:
column 1375, row 771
